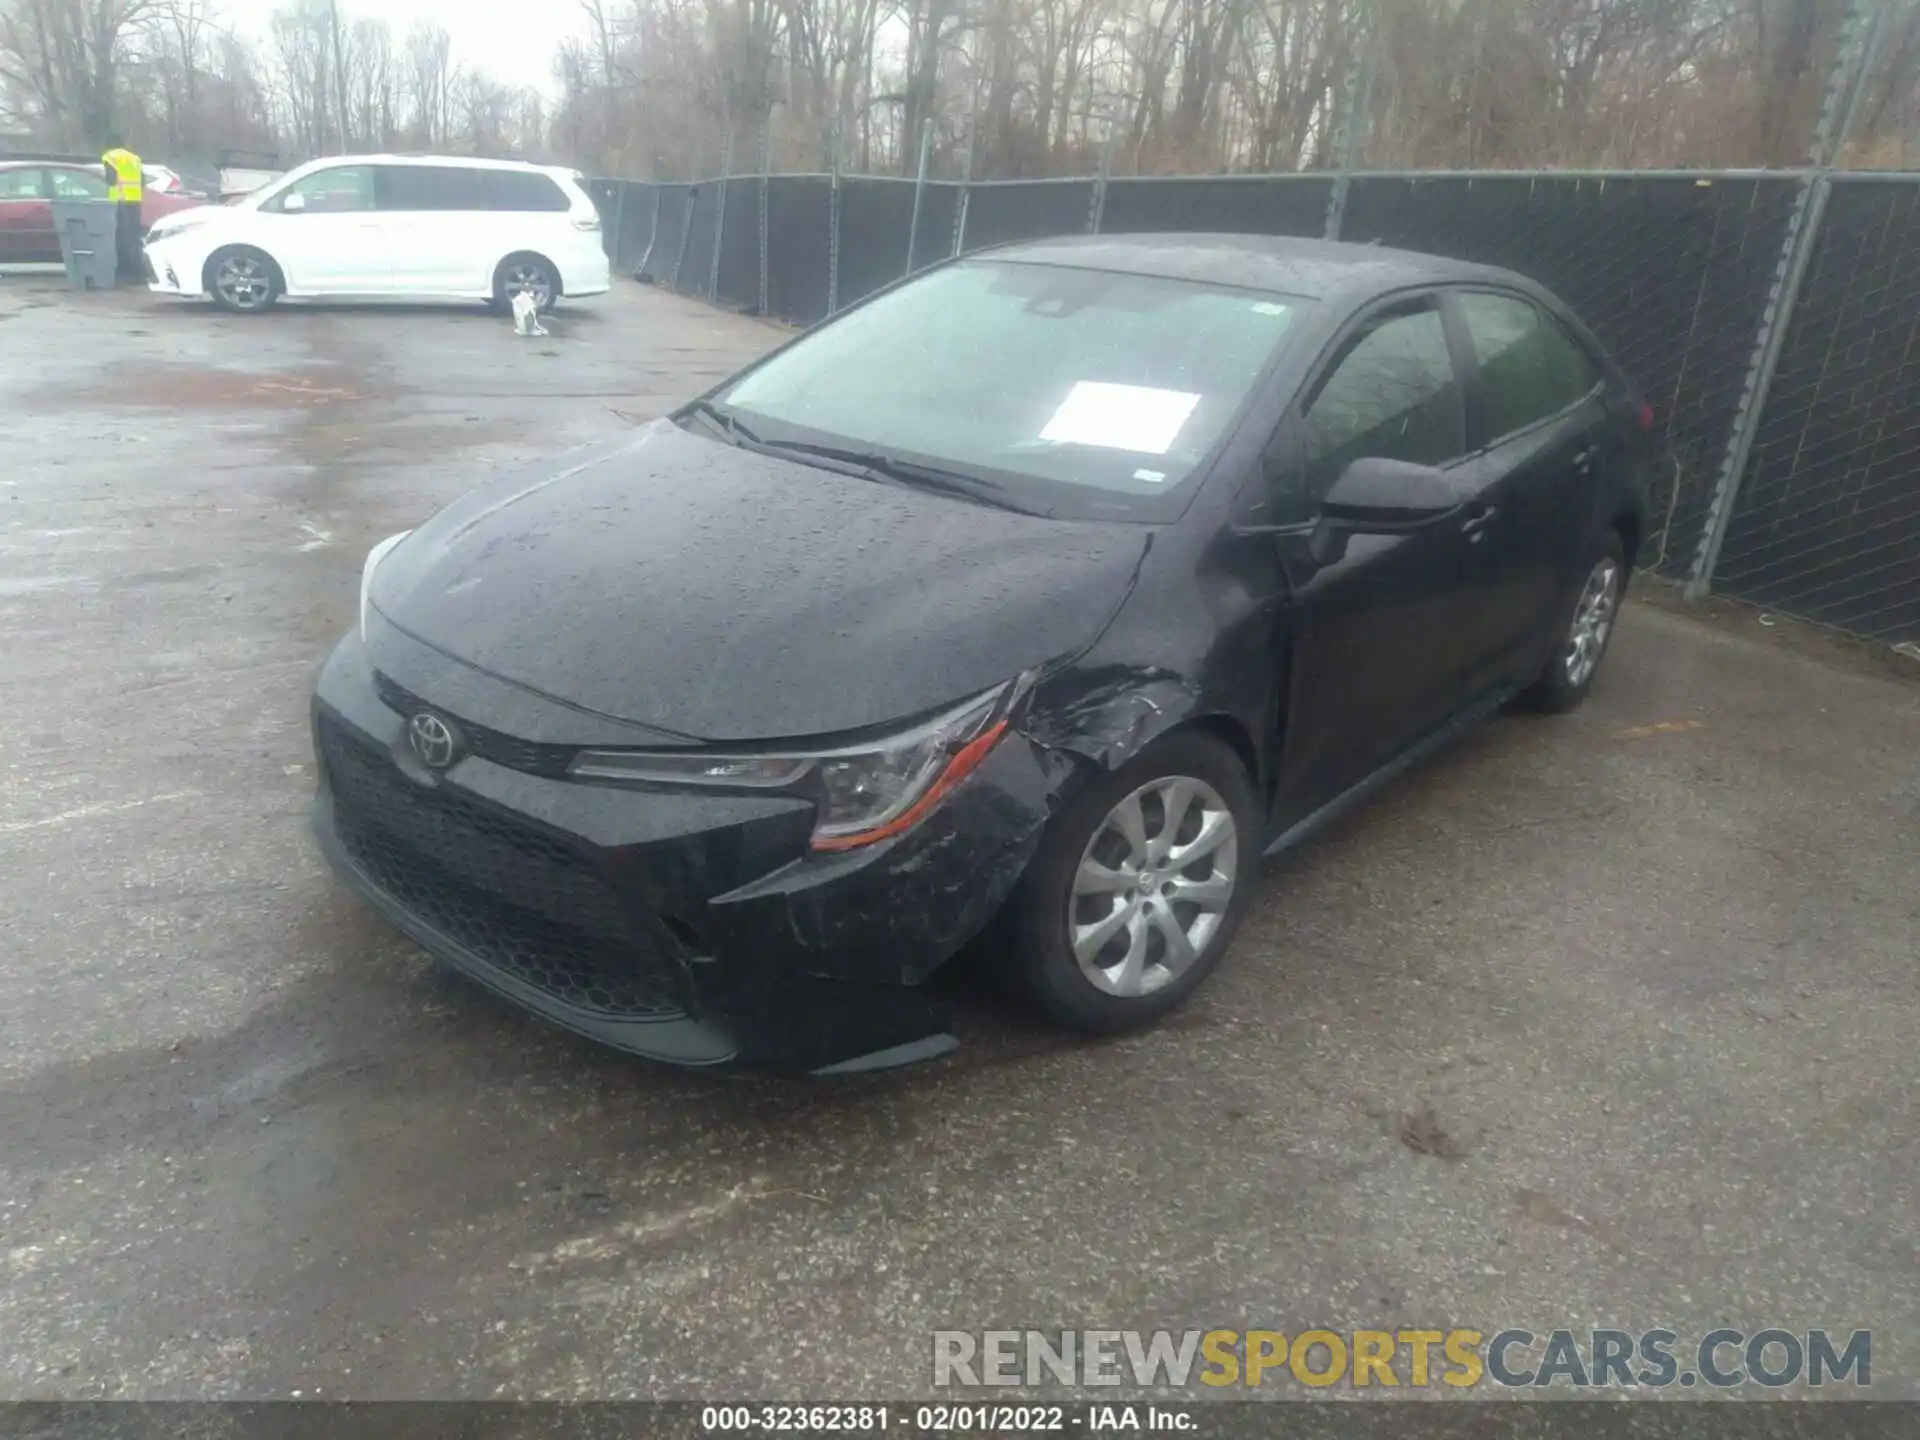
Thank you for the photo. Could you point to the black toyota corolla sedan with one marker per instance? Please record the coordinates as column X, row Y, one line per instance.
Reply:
column 1034, row 599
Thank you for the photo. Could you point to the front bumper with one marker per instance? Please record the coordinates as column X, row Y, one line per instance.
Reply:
column 164, row 276
column 692, row 928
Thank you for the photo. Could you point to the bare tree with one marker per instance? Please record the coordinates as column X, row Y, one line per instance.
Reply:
column 60, row 62
column 430, row 81
column 655, row 86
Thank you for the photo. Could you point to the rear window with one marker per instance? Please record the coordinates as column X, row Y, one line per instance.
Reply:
column 1529, row 368
column 523, row 190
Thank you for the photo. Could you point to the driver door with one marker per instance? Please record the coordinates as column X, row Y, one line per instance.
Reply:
column 328, row 234
column 1375, row 660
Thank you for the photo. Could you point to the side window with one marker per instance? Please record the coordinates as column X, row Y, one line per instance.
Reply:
column 1392, row 395
column 342, row 189
column 77, row 185
column 20, row 184
column 432, row 187
column 523, row 190
column 1529, row 367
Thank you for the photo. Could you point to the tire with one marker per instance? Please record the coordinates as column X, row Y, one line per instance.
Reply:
column 1584, row 630
column 522, row 272
column 251, row 280
column 1142, row 983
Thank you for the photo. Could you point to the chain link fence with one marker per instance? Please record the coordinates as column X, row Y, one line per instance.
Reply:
column 1828, row 520
column 1771, row 317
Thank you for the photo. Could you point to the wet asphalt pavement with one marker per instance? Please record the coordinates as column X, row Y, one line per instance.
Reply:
column 1651, row 966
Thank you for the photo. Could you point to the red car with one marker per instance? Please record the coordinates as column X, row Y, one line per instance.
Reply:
column 28, row 189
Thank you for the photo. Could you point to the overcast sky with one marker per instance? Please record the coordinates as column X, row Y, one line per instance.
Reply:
column 512, row 40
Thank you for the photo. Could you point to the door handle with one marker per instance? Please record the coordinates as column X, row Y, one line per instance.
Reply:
column 1583, row 462
column 1479, row 519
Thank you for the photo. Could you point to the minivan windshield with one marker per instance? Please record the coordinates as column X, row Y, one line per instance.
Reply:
column 1085, row 390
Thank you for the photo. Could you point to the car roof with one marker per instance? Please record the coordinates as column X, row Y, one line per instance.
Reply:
column 463, row 162
column 1313, row 269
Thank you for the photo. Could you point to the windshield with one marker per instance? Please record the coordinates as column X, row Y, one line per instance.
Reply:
column 1055, row 383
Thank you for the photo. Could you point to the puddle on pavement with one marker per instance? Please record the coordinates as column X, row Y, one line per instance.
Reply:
column 192, row 387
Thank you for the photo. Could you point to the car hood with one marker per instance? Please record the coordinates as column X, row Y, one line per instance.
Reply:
column 697, row 588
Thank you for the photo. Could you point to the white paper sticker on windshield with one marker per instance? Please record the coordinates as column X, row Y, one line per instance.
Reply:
column 1152, row 477
column 1267, row 307
column 1120, row 417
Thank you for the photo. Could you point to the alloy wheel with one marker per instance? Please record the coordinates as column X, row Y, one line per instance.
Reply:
column 1593, row 619
column 243, row 282
column 524, row 277
column 1153, row 886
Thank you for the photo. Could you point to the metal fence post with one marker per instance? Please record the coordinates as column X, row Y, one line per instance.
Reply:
column 1350, row 129
column 653, row 232
column 766, row 173
column 720, row 217
column 919, row 191
column 1098, row 210
column 619, row 222
column 833, row 220
column 686, row 235
column 966, row 187
column 1838, row 108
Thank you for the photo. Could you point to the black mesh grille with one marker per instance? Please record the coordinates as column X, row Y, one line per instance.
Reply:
column 1828, row 522
column 523, row 901
column 501, row 749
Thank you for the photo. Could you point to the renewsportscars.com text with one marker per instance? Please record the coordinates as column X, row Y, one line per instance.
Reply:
column 1458, row 1358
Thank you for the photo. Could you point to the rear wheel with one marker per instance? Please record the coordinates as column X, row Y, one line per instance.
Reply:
column 1137, row 888
column 526, row 275
column 242, row 279
column 1583, row 635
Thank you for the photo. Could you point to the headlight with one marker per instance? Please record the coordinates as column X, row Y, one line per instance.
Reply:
column 374, row 557
column 167, row 226
column 863, row 793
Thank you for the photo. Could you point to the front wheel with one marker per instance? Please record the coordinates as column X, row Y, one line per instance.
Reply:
column 1137, row 888
column 242, row 279
column 1581, row 641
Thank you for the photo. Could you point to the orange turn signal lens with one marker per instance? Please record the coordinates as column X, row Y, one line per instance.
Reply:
column 964, row 762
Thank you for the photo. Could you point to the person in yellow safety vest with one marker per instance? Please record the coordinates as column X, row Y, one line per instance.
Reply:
column 123, row 174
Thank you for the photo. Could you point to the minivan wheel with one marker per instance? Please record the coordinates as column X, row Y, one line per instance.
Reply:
column 526, row 275
column 242, row 279
column 1583, row 634
column 1137, row 888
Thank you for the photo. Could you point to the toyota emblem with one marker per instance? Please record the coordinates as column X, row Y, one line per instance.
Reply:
column 433, row 740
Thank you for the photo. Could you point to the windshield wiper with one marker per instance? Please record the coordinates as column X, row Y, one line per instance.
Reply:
column 868, row 464
column 878, row 465
column 723, row 419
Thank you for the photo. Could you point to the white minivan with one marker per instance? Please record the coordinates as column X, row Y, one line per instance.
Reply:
column 388, row 227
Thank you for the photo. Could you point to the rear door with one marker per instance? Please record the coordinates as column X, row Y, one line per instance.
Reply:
column 439, row 228
column 1538, row 422
column 26, row 219
column 1375, row 664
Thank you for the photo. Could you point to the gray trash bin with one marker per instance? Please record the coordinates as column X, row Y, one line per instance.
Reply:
column 88, row 242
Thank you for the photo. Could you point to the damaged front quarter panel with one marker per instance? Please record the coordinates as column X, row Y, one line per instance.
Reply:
column 892, row 913
column 1107, row 714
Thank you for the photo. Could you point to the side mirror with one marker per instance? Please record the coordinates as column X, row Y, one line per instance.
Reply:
column 1384, row 497
column 293, row 204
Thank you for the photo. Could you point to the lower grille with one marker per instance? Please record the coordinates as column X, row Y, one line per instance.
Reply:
column 521, row 900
